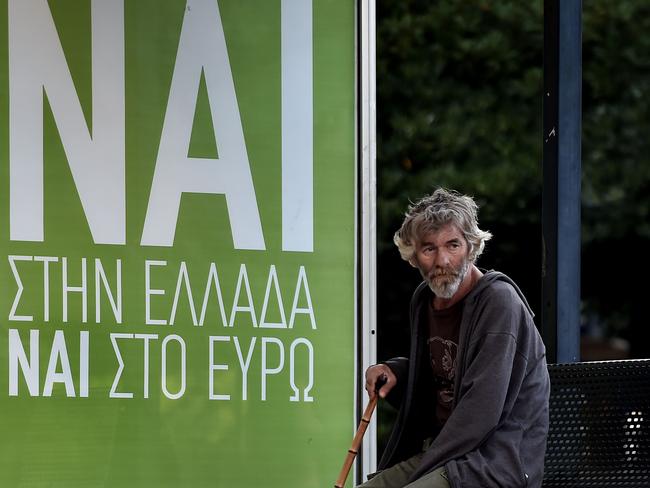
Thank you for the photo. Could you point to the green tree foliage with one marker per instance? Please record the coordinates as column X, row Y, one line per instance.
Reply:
column 459, row 94
column 616, row 125
column 616, row 169
column 459, row 105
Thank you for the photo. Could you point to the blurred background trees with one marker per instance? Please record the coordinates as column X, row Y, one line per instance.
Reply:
column 459, row 104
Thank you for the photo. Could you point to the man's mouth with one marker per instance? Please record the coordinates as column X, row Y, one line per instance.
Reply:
column 443, row 276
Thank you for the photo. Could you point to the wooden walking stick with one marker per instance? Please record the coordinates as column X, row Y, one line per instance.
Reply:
column 358, row 437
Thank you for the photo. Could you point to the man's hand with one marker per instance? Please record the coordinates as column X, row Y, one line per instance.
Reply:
column 378, row 374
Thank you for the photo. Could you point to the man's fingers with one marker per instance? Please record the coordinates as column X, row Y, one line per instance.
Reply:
column 370, row 386
column 372, row 379
column 387, row 385
column 379, row 380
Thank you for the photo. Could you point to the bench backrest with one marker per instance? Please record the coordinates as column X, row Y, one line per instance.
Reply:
column 599, row 432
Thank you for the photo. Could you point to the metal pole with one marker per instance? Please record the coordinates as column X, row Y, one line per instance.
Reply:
column 367, row 230
column 561, row 179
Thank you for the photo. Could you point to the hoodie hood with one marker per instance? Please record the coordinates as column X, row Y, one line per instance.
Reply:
column 490, row 277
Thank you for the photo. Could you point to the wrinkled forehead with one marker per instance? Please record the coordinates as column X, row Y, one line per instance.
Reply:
column 438, row 234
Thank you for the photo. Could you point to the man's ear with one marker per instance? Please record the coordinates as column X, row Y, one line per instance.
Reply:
column 413, row 263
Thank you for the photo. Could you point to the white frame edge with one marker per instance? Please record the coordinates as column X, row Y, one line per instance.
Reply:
column 367, row 135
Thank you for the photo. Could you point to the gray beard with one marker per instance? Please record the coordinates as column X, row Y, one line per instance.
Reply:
column 449, row 289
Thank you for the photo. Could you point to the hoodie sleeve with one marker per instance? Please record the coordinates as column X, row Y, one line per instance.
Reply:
column 399, row 366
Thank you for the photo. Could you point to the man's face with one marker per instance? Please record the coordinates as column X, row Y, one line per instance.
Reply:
column 442, row 258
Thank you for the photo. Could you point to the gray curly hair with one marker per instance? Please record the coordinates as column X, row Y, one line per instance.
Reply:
column 432, row 212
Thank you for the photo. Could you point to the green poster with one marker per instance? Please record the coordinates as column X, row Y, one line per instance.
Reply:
column 178, row 242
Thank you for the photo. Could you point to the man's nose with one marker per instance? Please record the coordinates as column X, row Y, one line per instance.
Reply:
column 441, row 258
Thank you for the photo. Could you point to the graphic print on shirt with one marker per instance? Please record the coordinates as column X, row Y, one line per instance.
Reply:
column 443, row 361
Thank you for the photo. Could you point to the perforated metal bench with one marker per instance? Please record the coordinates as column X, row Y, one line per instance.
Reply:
column 599, row 434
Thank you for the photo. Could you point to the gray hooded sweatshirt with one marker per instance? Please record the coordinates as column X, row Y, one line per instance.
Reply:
column 496, row 434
